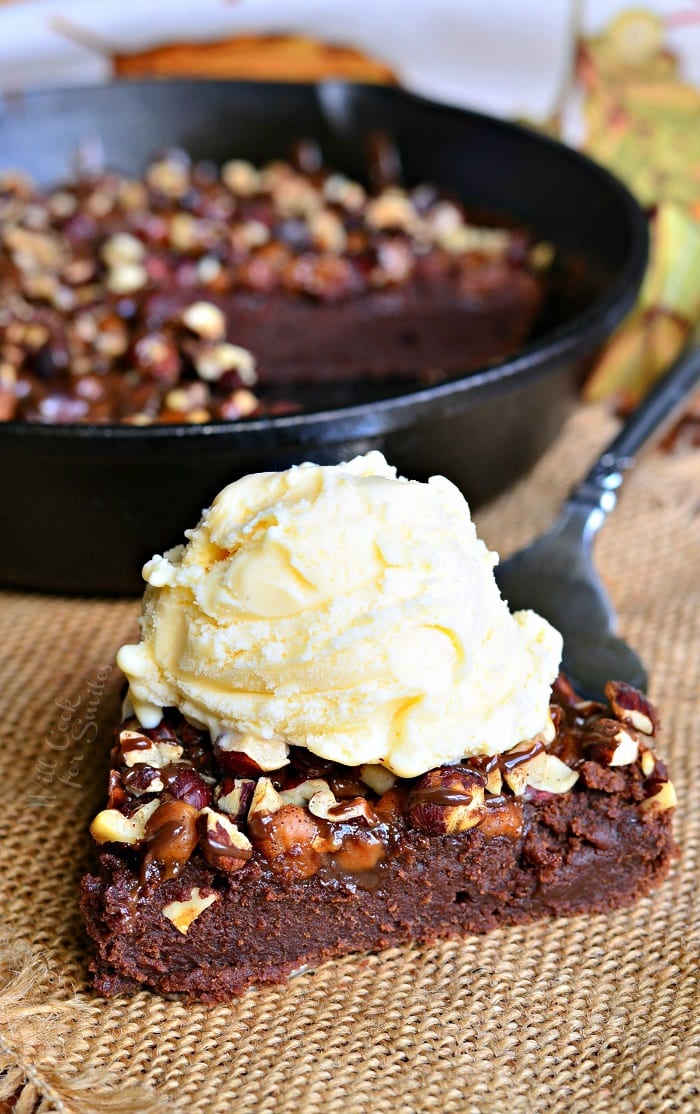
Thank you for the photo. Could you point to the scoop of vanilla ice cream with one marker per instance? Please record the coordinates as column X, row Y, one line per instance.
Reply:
column 345, row 610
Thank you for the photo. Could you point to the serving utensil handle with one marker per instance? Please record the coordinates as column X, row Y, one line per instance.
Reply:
column 598, row 490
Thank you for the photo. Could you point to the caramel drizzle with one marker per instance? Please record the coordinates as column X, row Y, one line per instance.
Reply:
column 161, row 861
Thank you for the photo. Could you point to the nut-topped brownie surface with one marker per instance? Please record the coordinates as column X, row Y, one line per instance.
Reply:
column 197, row 294
column 214, row 876
column 338, row 738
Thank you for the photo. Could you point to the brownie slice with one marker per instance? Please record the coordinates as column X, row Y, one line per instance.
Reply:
column 214, row 876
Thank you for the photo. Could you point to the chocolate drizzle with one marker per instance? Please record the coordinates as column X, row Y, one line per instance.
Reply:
column 511, row 760
column 139, row 742
column 439, row 795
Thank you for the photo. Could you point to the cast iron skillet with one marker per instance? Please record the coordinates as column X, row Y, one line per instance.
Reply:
column 82, row 507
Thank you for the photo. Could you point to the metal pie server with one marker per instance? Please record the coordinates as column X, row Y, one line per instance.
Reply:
column 555, row 574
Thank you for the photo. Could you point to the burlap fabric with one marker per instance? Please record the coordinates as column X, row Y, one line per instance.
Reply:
column 581, row 1015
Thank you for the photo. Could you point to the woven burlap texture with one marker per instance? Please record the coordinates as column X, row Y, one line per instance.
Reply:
column 584, row 1015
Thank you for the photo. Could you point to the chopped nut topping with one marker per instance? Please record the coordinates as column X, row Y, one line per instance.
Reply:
column 444, row 219
column 142, row 779
column 126, row 278
column 664, row 799
column 494, row 781
column 236, row 796
column 447, row 801
column 8, row 376
column 254, row 233
column 62, row 204
column 357, row 808
column 611, row 743
column 214, row 362
column 170, row 176
column 290, row 840
column 111, row 826
column 241, row 177
column 515, row 763
column 139, row 748
column 302, row 793
column 548, row 773
column 223, row 845
column 296, row 197
column 392, row 209
column 178, row 400
column 266, row 799
column 378, row 778
column 327, row 231
column 339, row 190
column 267, row 754
column 205, row 319
column 632, row 707
column 542, row 255
column 208, row 269
column 215, row 801
column 183, row 913
column 171, row 838
column 488, row 241
column 321, row 803
column 122, row 248
column 627, row 750
column 240, row 404
column 132, row 195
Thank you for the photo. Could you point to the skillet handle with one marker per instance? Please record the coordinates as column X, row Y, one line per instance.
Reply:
column 651, row 419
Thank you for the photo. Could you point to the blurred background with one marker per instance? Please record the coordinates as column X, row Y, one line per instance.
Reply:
column 619, row 82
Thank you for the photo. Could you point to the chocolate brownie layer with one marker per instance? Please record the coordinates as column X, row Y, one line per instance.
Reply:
column 231, row 880
column 435, row 325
